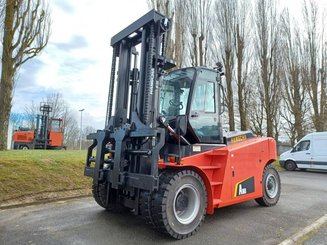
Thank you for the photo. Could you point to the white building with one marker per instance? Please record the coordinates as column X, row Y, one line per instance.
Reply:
column 10, row 133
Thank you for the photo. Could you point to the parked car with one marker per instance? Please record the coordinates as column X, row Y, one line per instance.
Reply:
column 309, row 153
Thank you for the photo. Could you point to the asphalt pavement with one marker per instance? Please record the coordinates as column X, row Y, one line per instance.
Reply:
column 82, row 221
column 319, row 238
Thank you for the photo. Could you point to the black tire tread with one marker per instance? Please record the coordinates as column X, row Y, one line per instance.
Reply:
column 100, row 196
column 262, row 201
column 158, row 205
column 144, row 208
column 294, row 165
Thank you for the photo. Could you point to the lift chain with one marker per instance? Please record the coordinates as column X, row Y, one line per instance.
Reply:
column 111, row 84
column 149, row 79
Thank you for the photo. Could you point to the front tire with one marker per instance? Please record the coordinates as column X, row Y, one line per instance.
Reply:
column 290, row 165
column 100, row 196
column 179, row 207
column 271, row 187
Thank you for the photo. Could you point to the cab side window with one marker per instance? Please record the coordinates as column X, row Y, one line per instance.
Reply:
column 203, row 118
column 56, row 125
column 204, row 97
column 302, row 146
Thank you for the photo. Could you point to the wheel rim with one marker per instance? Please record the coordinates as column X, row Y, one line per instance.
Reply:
column 186, row 204
column 271, row 186
column 289, row 165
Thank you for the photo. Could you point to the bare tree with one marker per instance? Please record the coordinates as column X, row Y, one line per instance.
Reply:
column 192, row 10
column 71, row 136
column 58, row 104
column 176, row 36
column 225, row 12
column 86, row 131
column 267, row 51
column 294, row 89
column 31, row 110
column 189, row 38
column 256, row 107
column 316, row 64
column 323, row 84
column 242, row 35
column 288, row 126
column 180, row 34
column 16, row 119
column 25, row 33
column 198, row 26
column 204, row 30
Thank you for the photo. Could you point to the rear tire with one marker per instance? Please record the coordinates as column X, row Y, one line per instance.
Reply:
column 271, row 187
column 100, row 196
column 24, row 147
column 290, row 165
column 179, row 206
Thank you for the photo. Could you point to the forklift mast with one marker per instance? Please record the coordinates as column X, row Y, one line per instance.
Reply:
column 140, row 85
column 42, row 124
column 131, row 135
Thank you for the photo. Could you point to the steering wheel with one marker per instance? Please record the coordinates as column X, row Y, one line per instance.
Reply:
column 179, row 105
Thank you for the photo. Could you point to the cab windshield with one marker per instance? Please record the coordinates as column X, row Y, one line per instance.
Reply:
column 175, row 91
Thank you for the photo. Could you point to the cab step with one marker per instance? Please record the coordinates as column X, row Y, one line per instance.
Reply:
column 215, row 183
column 217, row 153
column 216, row 202
column 213, row 167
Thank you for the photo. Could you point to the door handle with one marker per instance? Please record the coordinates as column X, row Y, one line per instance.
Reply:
column 307, row 153
column 195, row 115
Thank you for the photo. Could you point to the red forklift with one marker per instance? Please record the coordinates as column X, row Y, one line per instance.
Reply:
column 162, row 153
column 48, row 133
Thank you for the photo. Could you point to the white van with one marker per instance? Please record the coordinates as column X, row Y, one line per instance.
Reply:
column 309, row 153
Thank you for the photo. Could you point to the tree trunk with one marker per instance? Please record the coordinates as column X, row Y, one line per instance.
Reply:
column 178, row 49
column 314, row 89
column 7, row 74
column 240, row 87
column 297, row 110
column 266, row 82
column 229, row 85
column 195, row 50
column 323, row 85
column 25, row 30
column 201, row 55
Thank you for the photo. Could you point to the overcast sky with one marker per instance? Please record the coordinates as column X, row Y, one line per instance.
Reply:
column 77, row 60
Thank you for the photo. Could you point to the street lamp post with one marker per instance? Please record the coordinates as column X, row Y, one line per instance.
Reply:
column 80, row 134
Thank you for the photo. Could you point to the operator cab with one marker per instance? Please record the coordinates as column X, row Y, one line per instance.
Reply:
column 194, row 92
column 56, row 125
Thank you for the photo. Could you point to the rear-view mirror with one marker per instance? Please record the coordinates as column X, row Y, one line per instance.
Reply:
column 181, row 124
